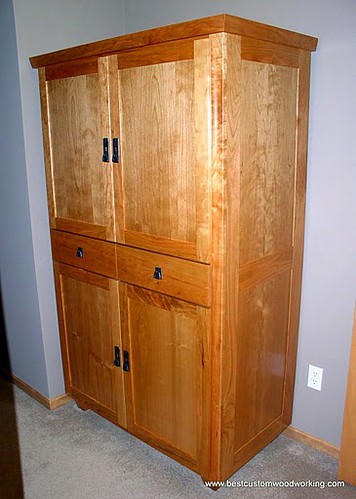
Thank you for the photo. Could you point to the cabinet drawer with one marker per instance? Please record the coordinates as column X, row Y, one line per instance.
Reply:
column 84, row 252
column 187, row 280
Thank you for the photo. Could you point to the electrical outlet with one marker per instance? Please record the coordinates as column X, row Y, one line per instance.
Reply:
column 315, row 376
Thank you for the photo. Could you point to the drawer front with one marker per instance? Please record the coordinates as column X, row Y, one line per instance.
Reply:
column 88, row 254
column 187, row 280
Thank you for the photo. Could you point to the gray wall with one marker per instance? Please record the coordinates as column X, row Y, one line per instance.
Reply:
column 18, row 278
column 329, row 270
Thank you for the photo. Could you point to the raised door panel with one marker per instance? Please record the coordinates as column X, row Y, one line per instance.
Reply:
column 268, row 159
column 157, row 147
column 90, row 328
column 80, row 184
column 164, row 392
column 261, row 356
column 164, row 145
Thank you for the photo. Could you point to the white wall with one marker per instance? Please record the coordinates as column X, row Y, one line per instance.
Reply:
column 329, row 282
column 329, row 270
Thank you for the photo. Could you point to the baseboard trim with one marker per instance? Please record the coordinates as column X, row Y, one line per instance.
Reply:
column 312, row 441
column 57, row 402
column 51, row 404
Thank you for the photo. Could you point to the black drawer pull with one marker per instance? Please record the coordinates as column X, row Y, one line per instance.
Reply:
column 158, row 273
column 80, row 252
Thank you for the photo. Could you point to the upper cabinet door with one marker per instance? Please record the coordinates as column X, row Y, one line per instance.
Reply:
column 156, row 102
column 76, row 116
column 164, row 145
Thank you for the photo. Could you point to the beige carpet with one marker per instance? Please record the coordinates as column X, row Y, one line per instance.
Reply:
column 73, row 454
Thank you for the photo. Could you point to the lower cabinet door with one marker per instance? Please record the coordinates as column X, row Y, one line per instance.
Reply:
column 164, row 338
column 88, row 310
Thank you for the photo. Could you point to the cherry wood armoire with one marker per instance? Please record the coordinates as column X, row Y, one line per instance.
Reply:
column 176, row 174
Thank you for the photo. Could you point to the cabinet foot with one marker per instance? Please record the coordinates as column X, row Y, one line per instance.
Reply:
column 82, row 405
column 212, row 484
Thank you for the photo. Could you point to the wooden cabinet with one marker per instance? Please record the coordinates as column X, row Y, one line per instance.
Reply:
column 176, row 173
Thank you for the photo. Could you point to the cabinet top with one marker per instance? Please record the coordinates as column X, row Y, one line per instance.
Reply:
column 190, row 29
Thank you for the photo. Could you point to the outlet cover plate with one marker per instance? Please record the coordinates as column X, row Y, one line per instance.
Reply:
column 315, row 376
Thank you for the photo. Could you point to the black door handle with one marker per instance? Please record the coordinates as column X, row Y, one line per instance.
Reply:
column 105, row 150
column 115, row 150
column 117, row 362
column 126, row 364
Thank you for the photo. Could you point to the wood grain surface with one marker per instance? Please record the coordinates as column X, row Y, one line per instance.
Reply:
column 198, row 27
column 163, row 336
column 189, row 281
column 98, row 256
column 82, row 184
column 211, row 119
column 298, row 229
column 158, row 150
column 261, row 358
column 88, row 306
column 268, row 159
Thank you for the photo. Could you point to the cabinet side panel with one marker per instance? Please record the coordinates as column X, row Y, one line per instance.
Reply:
column 232, row 124
column 267, row 206
column 298, row 232
column 268, row 159
column 47, row 146
column 202, row 111
column 218, row 250
column 261, row 356
column 225, row 170
column 61, row 323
